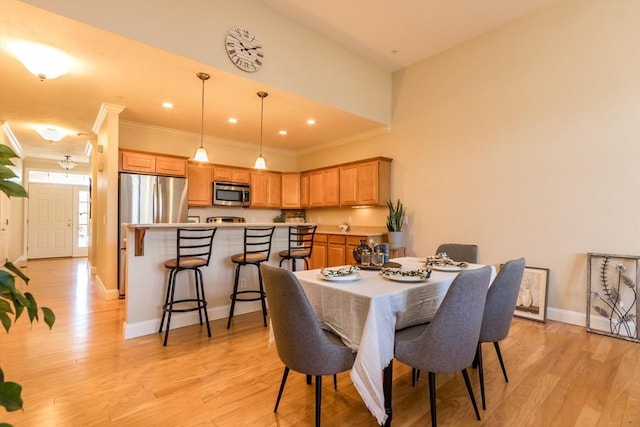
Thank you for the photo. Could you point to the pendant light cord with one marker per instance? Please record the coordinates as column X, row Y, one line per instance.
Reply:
column 202, row 117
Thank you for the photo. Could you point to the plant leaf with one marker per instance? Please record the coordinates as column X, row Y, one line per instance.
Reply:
column 10, row 396
column 6, row 321
column 32, row 307
column 49, row 316
column 6, row 173
column 17, row 271
column 13, row 189
column 6, row 152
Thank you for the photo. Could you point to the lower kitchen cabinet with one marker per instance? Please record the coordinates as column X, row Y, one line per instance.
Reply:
column 319, row 252
column 331, row 250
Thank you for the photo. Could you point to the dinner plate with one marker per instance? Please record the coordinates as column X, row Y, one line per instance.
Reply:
column 400, row 278
column 349, row 278
column 447, row 267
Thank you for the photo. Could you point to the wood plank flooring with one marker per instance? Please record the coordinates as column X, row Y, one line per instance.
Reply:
column 83, row 373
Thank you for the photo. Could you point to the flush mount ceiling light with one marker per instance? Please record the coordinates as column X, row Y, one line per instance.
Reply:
column 201, row 154
column 67, row 163
column 51, row 133
column 260, row 163
column 45, row 62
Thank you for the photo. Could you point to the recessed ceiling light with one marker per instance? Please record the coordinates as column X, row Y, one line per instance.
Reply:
column 51, row 133
column 311, row 122
column 232, row 120
column 283, row 132
column 167, row 104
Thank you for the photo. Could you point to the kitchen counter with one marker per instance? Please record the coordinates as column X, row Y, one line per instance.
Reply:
column 353, row 231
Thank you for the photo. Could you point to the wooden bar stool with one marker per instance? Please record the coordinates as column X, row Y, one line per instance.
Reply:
column 257, row 248
column 193, row 251
column 300, row 245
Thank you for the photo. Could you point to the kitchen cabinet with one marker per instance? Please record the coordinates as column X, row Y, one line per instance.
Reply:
column 332, row 250
column 336, row 250
column 324, row 187
column 200, row 176
column 228, row 174
column 304, row 190
column 266, row 190
column 319, row 252
column 291, row 190
column 136, row 161
column 365, row 183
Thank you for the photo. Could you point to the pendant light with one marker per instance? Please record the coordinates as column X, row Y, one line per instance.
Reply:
column 67, row 163
column 260, row 163
column 201, row 153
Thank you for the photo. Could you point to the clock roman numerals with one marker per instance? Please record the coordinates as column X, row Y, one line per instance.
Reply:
column 244, row 50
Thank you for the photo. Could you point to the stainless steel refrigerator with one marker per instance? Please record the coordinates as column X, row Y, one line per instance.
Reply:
column 148, row 199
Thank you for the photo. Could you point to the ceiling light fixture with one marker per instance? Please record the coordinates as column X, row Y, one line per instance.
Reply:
column 45, row 62
column 67, row 163
column 50, row 133
column 311, row 122
column 201, row 153
column 260, row 163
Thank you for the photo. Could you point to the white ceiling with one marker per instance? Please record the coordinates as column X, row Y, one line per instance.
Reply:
column 390, row 33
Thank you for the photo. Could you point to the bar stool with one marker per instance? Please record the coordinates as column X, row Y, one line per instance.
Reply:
column 300, row 245
column 257, row 248
column 193, row 251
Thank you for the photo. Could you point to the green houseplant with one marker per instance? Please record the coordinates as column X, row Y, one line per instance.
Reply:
column 395, row 221
column 12, row 301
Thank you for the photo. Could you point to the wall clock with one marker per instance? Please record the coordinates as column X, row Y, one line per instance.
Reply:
column 244, row 50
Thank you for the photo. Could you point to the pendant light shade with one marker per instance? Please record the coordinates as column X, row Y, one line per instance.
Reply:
column 201, row 153
column 260, row 162
column 67, row 163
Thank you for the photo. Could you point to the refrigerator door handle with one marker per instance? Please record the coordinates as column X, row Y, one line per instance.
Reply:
column 157, row 203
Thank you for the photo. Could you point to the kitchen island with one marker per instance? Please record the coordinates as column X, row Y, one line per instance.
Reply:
column 146, row 277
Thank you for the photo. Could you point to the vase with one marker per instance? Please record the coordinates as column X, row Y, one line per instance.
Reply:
column 527, row 298
column 357, row 251
column 396, row 238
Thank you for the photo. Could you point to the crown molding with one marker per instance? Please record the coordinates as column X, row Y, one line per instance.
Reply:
column 13, row 141
column 383, row 130
column 105, row 109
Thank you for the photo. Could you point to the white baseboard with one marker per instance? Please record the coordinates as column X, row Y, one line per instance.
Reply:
column 179, row 320
column 105, row 292
column 566, row 316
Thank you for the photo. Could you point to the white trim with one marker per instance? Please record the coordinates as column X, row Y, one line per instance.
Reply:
column 13, row 141
column 103, row 291
column 566, row 316
column 105, row 108
column 346, row 140
column 179, row 320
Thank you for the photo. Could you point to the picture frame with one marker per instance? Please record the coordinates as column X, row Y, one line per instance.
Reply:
column 532, row 298
column 612, row 306
column 193, row 219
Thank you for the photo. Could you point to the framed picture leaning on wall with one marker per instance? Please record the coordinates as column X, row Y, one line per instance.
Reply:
column 532, row 298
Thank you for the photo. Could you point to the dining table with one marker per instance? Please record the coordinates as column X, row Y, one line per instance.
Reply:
column 365, row 312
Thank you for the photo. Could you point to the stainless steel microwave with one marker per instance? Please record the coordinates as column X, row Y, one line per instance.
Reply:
column 231, row 194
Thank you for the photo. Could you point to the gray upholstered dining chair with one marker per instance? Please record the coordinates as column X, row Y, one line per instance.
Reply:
column 449, row 342
column 301, row 343
column 460, row 252
column 498, row 312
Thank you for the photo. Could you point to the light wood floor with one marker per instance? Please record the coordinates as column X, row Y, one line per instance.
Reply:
column 83, row 373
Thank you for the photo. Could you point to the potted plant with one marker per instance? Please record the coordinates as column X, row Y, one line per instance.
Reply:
column 395, row 220
column 12, row 301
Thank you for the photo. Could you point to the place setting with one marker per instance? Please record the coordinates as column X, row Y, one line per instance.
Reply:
column 340, row 274
column 400, row 275
column 442, row 262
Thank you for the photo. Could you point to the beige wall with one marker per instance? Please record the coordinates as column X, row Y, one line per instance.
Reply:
column 525, row 141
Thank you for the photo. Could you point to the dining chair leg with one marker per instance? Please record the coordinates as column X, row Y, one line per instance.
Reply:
column 318, row 398
column 282, row 383
column 432, row 398
column 470, row 390
column 306, row 263
column 415, row 375
column 308, row 379
column 481, row 374
column 335, row 381
column 262, row 297
column 504, row 371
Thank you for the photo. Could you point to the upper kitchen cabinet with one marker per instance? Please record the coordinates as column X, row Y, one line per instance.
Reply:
column 291, row 190
column 304, row 190
column 228, row 174
column 366, row 183
column 136, row 161
column 200, row 176
column 324, row 187
column 266, row 190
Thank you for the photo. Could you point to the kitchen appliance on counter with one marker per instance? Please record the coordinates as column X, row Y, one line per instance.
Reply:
column 225, row 219
column 148, row 199
column 231, row 194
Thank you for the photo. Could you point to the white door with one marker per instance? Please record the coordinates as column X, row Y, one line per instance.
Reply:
column 50, row 221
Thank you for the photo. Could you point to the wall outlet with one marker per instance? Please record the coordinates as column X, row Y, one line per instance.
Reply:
column 243, row 283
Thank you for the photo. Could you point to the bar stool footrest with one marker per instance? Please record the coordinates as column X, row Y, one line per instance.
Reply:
column 260, row 296
column 200, row 304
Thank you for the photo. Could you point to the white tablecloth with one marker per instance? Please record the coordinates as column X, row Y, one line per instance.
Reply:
column 365, row 313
